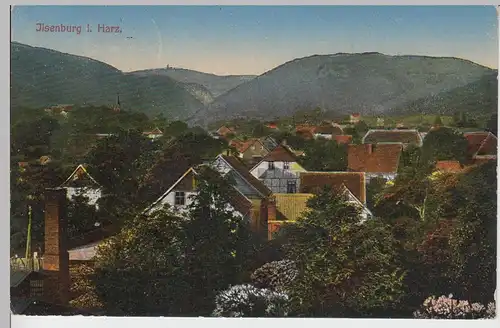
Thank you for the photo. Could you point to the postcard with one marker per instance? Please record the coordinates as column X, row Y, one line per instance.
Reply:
column 254, row 161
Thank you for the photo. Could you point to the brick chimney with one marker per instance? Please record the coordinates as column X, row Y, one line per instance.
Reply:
column 271, row 209
column 56, row 256
column 369, row 148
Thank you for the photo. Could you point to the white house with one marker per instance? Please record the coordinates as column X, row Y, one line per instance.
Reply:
column 180, row 196
column 279, row 170
column 81, row 183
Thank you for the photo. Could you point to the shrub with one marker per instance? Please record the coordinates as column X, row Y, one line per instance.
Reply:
column 449, row 308
column 276, row 275
column 249, row 301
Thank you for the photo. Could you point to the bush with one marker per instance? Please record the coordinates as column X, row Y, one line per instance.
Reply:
column 249, row 301
column 449, row 308
column 276, row 275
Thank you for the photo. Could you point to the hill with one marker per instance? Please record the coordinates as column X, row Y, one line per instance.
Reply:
column 43, row 77
column 478, row 98
column 215, row 84
column 369, row 83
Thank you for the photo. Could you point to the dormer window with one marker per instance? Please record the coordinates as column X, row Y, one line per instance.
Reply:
column 270, row 165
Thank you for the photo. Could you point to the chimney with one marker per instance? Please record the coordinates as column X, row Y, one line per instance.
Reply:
column 369, row 148
column 271, row 209
column 56, row 256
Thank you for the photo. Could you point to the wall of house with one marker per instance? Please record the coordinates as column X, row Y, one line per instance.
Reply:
column 93, row 194
column 277, row 179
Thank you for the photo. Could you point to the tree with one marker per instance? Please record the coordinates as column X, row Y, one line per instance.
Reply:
column 473, row 241
column 141, row 271
column 219, row 243
column 438, row 121
column 325, row 155
column 333, row 249
column 444, row 144
column 176, row 128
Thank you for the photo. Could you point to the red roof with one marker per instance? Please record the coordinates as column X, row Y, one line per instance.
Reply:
column 224, row 130
column 488, row 146
column 312, row 182
column 343, row 139
column 280, row 154
column 356, row 115
column 475, row 140
column 272, row 125
column 449, row 166
column 241, row 146
column 382, row 158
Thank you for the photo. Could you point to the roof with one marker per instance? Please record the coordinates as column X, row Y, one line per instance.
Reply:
column 475, row 141
column 18, row 276
column 312, row 182
column 223, row 130
column 243, row 171
column 84, row 253
column 291, row 206
column 343, row 139
column 154, row 131
column 328, row 129
column 393, row 136
column 269, row 143
column 488, row 146
column 381, row 158
column 237, row 199
column 241, row 146
column 279, row 154
column 449, row 166
column 356, row 114
column 80, row 174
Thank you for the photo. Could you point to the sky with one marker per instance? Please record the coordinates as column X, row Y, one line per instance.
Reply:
column 229, row 40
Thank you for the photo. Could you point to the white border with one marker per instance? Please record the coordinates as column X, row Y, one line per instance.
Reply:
column 56, row 322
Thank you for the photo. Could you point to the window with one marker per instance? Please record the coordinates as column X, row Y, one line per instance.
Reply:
column 271, row 165
column 180, row 198
column 36, row 288
column 286, row 165
column 291, row 187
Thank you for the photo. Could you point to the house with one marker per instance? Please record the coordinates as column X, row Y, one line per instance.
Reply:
column 351, row 184
column 482, row 146
column 279, row 170
column 343, row 139
column 44, row 160
column 327, row 131
column 406, row 137
column 81, row 183
column 224, row 131
column 287, row 208
column 104, row 135
column 305, row 131
column 59, row 109
column 180, row 196
column 153, row 134
column 248, row 185
column 251, row 150
column 272, row 126
column 355, row 118
column 375, row 160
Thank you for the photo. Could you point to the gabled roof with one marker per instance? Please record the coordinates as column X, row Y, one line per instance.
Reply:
column 154, row 131
column 237, row 199
column 475, row 141
column 393, row 136
column 343, row 139
column 223, row 130
column 489, row 146
column 279, row 154
column 245, row 174
column 242, row 146
column 80, row 174
column 313, row 182
column 449, row 166
column 269, row 143
column 291, row 207
column 381, row 158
